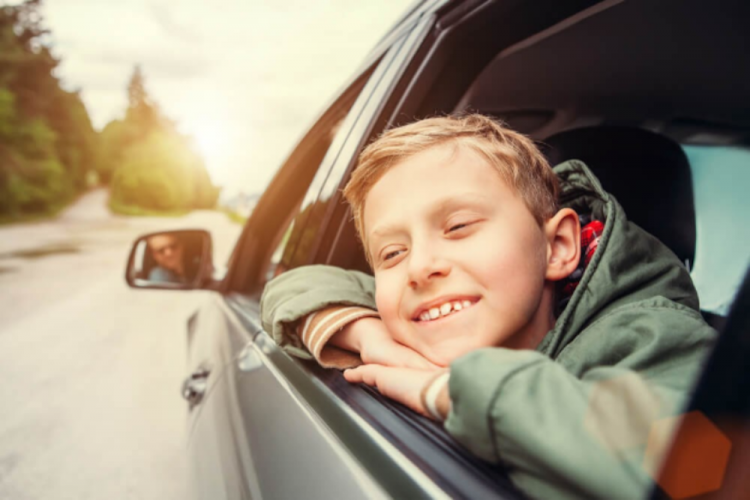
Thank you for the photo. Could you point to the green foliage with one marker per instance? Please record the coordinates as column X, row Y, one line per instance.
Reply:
column 236, row 218
column 47, row 143
column 114, row 139
column 49, row 151
column 32, row 179
column 133, row 210
column 151, row 165
column 162, row 173
column 142, row 112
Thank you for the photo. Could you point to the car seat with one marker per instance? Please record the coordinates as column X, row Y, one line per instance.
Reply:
column 647, row 173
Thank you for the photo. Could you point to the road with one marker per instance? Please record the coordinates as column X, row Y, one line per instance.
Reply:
column 90, row 370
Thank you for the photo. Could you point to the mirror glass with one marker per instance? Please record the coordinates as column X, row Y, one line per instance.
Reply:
column 171, row 259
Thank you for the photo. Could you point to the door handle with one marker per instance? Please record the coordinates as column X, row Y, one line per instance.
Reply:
column 194, row 387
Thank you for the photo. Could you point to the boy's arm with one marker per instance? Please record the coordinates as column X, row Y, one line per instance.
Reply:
column 289, row 299
column 333, row 335
column 330, row 313
column 566, row 435
column 583, row 435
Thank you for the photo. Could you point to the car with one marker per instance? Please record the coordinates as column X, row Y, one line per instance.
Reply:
column 614, row 83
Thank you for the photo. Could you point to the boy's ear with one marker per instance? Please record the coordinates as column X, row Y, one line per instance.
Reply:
column 563, row 231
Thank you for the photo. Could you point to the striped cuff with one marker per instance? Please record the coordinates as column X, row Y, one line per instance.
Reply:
column 320, row 326
column 430, row 393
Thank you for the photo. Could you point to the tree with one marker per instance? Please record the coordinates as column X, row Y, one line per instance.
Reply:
column 162, row 173
column 47, row 143
column 142, row 111
column 150, row 164
column 142, row 117
column 32, row 179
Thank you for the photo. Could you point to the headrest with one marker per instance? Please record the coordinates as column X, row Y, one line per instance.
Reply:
column 647, row 173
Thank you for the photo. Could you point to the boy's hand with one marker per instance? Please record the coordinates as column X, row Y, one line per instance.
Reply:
column 371, row 339
column 404, row 385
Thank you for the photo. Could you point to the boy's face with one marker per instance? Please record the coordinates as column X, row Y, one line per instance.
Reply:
column 459, row 259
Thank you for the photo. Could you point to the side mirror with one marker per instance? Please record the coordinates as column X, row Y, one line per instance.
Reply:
column 179, row 260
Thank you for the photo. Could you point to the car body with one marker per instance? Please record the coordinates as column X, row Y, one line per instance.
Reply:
column 264, row 424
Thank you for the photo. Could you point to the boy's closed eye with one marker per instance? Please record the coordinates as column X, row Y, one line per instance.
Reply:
column 461, row 227
column 453, row 229
column 392, row 254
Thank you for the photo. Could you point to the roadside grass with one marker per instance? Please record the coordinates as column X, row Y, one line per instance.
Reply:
column 51, row 212
column 233, row 216
column 132, row 210
column 115, row 207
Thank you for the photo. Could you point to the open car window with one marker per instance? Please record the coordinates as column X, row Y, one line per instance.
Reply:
column 721, row 175
column 268, row 235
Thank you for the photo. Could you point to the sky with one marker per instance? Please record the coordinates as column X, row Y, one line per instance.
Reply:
column 246, row 78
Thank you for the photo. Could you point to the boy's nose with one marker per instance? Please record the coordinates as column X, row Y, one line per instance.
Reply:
column 423, row 269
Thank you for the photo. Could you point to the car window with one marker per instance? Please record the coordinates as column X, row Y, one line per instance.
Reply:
column 322, row 200
column 722, row 254
column 274, row 269
column 269, row 230
column 326, row 143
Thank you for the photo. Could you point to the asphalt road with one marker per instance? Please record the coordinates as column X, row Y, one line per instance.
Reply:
column 90, row 370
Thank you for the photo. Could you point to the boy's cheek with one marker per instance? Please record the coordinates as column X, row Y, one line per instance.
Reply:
column 388, row 302
column 387, row 295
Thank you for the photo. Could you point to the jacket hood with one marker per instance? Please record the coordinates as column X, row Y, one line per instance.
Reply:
column 629, row 265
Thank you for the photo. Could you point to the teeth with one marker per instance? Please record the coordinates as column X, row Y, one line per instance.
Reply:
column 444, row 310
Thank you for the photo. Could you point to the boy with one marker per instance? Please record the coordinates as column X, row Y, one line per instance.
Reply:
column 561, row 357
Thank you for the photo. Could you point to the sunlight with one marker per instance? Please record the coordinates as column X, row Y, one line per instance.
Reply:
column 210, row 139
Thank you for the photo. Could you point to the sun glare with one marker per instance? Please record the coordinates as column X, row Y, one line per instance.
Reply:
column 210, row 140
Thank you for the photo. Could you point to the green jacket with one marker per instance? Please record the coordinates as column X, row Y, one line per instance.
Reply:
column 571, row 419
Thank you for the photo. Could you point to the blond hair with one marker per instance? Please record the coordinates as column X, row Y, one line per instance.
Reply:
column 514, row 156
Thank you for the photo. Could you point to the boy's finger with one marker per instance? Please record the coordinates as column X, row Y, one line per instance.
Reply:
column 365, row 374
column 353, row 375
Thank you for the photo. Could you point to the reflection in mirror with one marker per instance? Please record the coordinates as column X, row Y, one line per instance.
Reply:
column 172, row 259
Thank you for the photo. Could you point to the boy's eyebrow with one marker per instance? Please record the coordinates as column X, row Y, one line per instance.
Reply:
column 441, row 208
column 385, row 229
column 380, row 232
column 456, row 201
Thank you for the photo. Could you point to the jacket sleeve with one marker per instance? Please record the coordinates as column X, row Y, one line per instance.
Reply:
column 566, row 435
column 289, row 298
column 317, row 328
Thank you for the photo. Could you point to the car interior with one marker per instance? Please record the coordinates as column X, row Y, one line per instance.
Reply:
column 659, row 110
column 662, row 76
column 653, row 108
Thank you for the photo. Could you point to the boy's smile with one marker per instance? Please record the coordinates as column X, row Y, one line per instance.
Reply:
column 442, row 308
column 460, row 262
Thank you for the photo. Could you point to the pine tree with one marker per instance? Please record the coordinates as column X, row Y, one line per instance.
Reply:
column 150, row 164
column 142, row 111
column 47, row 143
